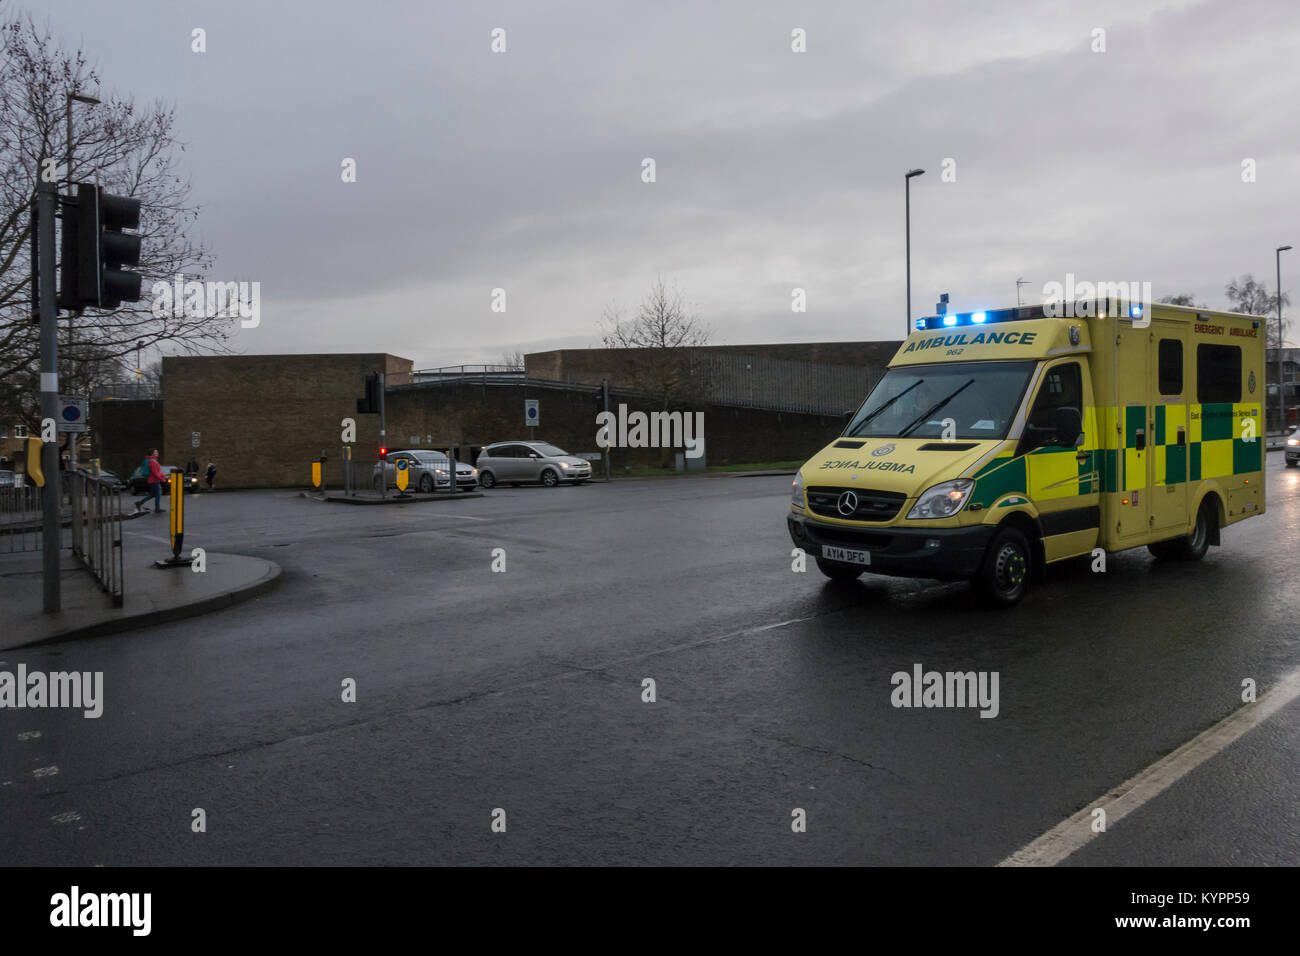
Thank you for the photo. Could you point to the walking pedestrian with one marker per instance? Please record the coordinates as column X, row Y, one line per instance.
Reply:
column 211, row 473
column 156, row 479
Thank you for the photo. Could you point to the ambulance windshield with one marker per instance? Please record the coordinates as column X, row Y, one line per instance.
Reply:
column 965, row 400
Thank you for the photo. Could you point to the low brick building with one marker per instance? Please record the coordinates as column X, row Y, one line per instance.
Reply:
column 263, row 418
column 473, row 415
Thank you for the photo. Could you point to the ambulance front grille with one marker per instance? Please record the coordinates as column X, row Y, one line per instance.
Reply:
column 871, row 505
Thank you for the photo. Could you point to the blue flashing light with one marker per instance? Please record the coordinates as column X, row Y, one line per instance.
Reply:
column 950, row 320
column 977, row 318
column 1135, row 311
column 920, row 323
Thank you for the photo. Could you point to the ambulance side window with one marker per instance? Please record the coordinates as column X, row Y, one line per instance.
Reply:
column 1062, row 387
column 1218, row 373
column 1171, row 367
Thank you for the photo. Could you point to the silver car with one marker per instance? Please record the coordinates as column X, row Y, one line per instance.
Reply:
column 517, row 462
column 426, row 470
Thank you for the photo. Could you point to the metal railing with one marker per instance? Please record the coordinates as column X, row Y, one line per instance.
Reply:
column 20, row 517
column 96, row 524
column 471, row 373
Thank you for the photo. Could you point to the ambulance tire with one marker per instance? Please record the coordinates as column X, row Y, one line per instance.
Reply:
column 839, row 573
column 1008, row 568
column 1194, row 546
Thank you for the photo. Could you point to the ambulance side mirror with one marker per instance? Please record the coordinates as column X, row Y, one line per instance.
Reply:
column 1069, row 427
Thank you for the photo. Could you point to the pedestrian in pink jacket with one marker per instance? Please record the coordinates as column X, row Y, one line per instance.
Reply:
column 156, row 481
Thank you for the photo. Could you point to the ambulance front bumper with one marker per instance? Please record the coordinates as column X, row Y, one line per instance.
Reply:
column 948, row 554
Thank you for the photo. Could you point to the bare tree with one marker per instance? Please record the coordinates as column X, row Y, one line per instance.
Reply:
column 129, row 149
column 1252, row 297
column 663, row 330
column 1183, row 298
column 514, row 359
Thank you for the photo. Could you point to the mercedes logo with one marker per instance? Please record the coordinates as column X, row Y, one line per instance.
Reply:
column 847, row 504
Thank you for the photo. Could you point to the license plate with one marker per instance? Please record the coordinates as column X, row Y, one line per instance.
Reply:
column 847, row 555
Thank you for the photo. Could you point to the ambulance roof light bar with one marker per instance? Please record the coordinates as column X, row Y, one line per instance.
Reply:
column 1094, row 307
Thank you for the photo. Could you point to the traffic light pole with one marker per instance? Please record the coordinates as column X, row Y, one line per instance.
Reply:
column 604, row 394
column 383, row 440
column 52, row 493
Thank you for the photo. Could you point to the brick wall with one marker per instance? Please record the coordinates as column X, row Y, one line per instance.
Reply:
column 475, row 415
column 590, row 366
column 263, row 418
column 124, row 431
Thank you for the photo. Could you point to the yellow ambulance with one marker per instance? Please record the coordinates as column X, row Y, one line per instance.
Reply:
column 1001, row 441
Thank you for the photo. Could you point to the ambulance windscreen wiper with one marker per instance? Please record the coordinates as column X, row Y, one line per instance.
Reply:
column 857, row 429
column 934, row 408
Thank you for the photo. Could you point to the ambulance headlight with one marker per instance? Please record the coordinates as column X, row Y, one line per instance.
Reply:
column 796, row 490
column 1293, row 442
column 942, row 500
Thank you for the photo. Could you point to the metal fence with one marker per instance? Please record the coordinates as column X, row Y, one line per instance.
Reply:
column 485, row 374
column 96, row 524
column 812, row 388
column 20, row 518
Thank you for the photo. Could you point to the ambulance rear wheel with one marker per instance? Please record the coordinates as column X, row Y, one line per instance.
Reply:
column 839, row 573
column 1194, row 546
column 1004, row 577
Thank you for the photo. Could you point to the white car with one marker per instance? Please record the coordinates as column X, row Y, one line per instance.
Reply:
column 516, row 462
column 426, row 471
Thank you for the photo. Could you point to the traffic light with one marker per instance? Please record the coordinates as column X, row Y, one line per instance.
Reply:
column 370, row 404
column 95, row 248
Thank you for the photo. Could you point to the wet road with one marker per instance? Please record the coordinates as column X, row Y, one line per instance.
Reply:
column 518, row 696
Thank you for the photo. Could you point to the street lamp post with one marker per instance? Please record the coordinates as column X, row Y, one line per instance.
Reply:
column 73, row 437
column 1281, row 390
column 907, row 203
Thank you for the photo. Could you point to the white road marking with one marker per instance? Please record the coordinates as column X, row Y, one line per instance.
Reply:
column 1071, row 834
column 29, row 735
column 45, row 771
column 151, row 537
column 71, row 816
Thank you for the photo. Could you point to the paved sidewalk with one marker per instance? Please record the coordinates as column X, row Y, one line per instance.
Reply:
column 152, row 595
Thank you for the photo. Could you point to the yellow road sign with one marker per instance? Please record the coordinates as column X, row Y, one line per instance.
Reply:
column 315, row 474
column 403, row 474
column 34, row 471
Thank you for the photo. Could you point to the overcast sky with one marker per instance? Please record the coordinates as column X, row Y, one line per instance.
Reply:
column 774, row 169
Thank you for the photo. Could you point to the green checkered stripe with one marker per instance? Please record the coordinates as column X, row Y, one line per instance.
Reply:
column 1218, row 452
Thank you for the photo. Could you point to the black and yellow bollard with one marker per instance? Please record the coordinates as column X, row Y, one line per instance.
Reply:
column 318, row 473
column 176, row 517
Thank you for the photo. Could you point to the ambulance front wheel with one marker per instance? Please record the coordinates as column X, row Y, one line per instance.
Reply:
column 1004, row 577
